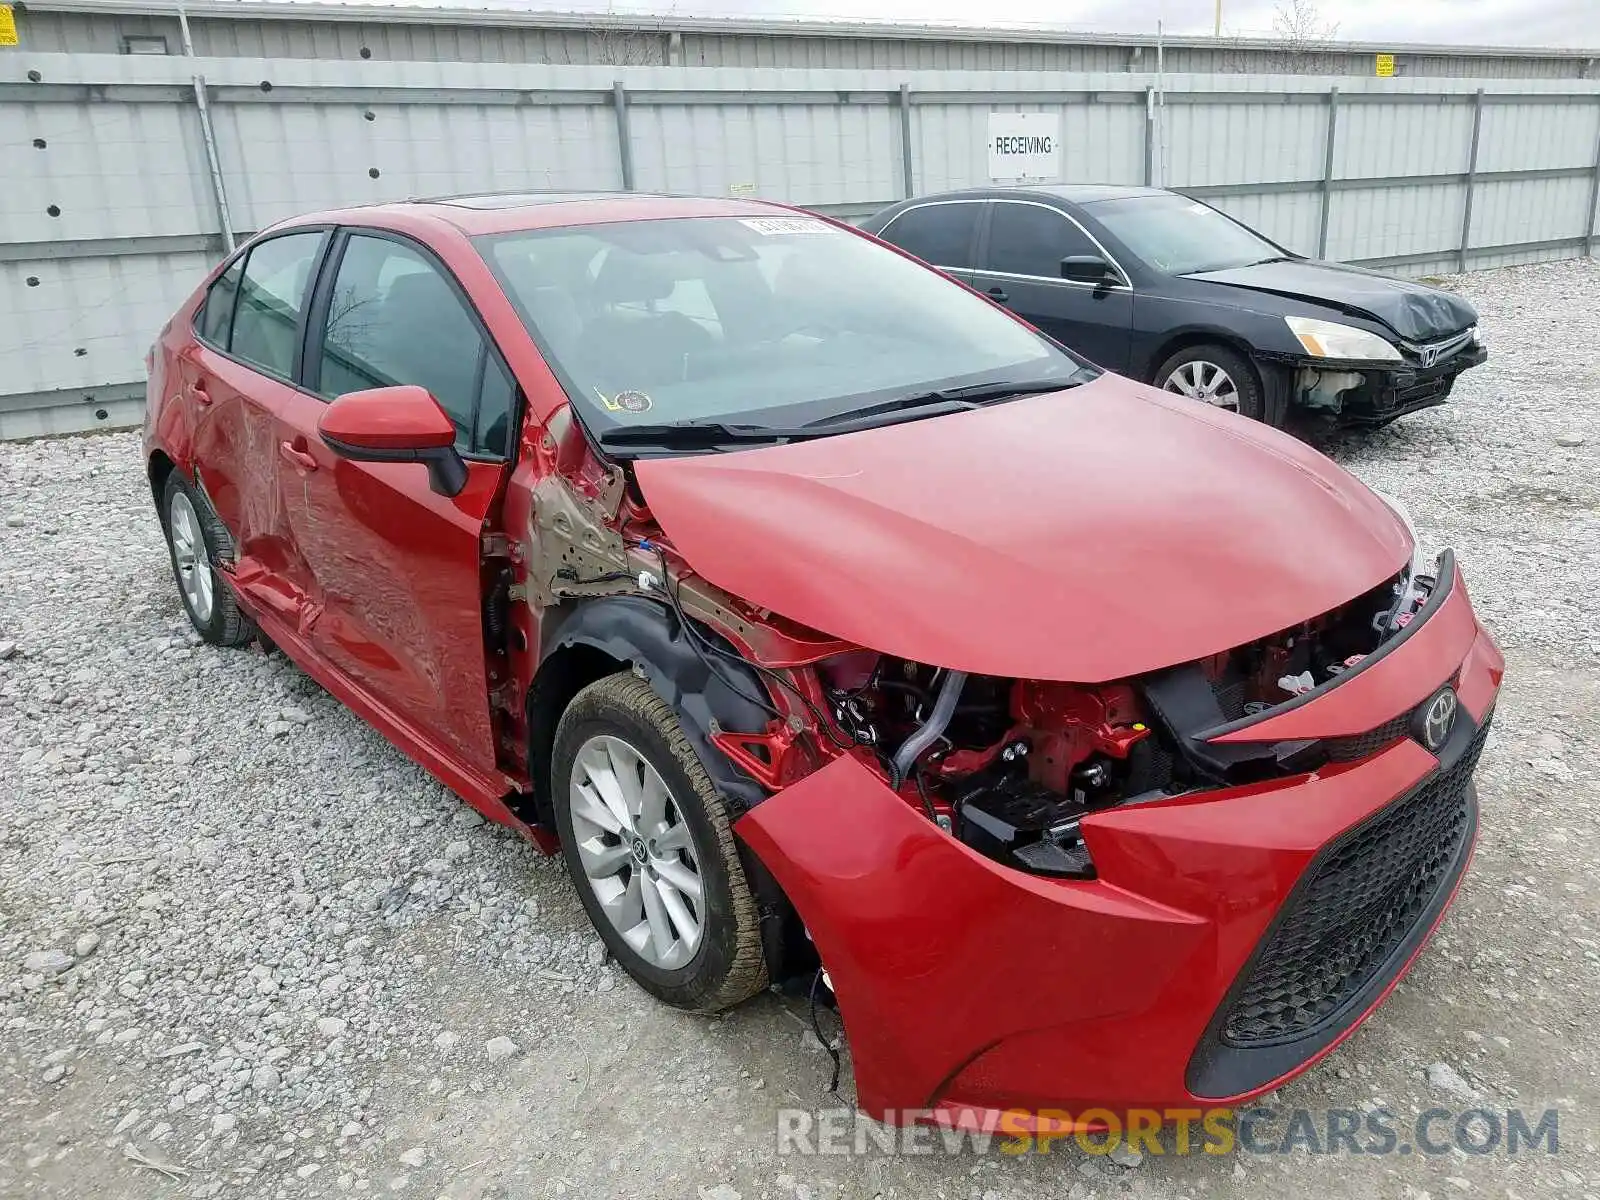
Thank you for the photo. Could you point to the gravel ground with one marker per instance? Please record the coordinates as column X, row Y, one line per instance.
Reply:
column 248, row 949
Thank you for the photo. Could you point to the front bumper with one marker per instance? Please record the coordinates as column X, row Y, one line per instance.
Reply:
column 1390, row 392
column 969, row 989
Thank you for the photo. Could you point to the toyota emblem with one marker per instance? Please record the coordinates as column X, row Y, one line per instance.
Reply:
column 1436, row 719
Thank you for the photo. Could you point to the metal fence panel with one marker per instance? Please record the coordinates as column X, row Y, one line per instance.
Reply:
column 1524, row 137
column 1509, row 212
column 1377, row 139
column 1262, row 142
column 105, row 170
column 86, row 322
column 803, row 153
column 505, row 34
column 1391, row 222
column 1420, row 177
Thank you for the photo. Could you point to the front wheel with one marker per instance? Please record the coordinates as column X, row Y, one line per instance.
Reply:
column 649, row 844
column 1214, row 375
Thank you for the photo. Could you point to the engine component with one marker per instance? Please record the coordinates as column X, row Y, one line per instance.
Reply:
column 933, row 728
column 1024, row 825
column 1090, row 780
column 855, row 720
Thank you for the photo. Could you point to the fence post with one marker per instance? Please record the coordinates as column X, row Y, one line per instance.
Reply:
column 1327, row 172
column 1472, row 178
column 907, row 179
column 1150, row 136
column 219, row 192
column 619, row 102
column 1594, row 204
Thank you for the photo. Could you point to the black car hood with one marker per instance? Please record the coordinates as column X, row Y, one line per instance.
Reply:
column 1414, row 311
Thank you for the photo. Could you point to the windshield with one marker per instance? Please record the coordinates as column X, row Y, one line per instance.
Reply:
column 760, row 321
column 1181, row 236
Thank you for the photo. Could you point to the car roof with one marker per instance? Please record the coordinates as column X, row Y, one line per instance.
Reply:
column 1073, row 193
column 509, row 212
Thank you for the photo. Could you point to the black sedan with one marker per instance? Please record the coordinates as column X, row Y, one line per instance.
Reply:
column 1163, row 288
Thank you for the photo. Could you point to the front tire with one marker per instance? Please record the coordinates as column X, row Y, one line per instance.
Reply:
column 1214, row 375
column 196, row 541
column 648, row 842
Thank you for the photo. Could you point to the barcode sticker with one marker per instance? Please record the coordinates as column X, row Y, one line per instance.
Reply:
column 778, row 226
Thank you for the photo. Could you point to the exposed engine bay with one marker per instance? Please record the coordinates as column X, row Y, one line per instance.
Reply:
column 1008, row 766
column 1012, row 766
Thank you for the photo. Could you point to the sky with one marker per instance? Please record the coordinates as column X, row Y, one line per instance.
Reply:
column 1570, row 23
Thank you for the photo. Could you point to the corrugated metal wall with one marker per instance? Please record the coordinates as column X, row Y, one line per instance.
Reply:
column 480, row 39
column 109, row 216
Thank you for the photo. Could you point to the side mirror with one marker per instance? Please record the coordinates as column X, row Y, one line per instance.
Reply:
column 396, row 424
column 1087, row 268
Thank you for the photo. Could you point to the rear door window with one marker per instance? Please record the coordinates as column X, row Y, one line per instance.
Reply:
column 1029, row 239
column 941, row 234
column 272, row 297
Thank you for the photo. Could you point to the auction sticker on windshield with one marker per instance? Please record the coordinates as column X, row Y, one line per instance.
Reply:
column 629, row 401
column 774, row 226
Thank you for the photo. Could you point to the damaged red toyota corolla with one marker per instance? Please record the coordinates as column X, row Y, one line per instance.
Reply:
column 1089, row 744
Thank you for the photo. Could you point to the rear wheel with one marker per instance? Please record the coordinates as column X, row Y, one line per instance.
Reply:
column 1213, row 375
column 648, row 842
column 197, row 541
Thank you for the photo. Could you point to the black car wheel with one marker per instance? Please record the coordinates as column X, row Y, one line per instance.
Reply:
column 197, row 541
column 649, row 844
column 1213, row 375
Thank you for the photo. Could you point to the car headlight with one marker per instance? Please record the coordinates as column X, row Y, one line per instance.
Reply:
column 1477, row 335
column 1329, row 339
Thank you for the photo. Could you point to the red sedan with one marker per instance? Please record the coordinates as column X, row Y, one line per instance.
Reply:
column 1088, row 744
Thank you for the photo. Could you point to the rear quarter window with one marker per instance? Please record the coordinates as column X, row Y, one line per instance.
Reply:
column 941, row 234
column 214, row 324
column 272, row 295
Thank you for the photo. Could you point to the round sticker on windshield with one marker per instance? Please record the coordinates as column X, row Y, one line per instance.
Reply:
column 633, row 402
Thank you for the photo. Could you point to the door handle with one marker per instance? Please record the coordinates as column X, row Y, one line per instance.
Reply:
column 998, row 293
column 198, row 391
column 300, row 459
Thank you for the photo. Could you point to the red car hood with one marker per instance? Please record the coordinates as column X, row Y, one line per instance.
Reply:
column 1082, row 536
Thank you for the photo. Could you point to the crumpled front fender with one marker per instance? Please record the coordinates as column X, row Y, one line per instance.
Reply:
column 937, row 953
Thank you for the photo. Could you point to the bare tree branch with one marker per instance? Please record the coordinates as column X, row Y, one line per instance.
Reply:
column 616, row 41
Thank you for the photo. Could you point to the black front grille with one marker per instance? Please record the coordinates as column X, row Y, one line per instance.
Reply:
column 1349, row 749
column 1423, row 389
column 1359, row 900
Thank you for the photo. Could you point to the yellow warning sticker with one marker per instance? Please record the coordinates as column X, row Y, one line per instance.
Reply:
column 8, row 26
column 1384, row 65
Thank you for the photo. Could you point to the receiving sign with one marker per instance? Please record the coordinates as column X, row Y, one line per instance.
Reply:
column 1024, row 146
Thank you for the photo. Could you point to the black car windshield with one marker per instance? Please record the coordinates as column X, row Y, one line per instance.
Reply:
column 761, row 321
column 1180, row 236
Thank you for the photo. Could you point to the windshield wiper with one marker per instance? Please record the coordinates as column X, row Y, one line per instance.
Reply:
column 708, row 435
column 955, row 399
column 689, row 435
column 1260, row 262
